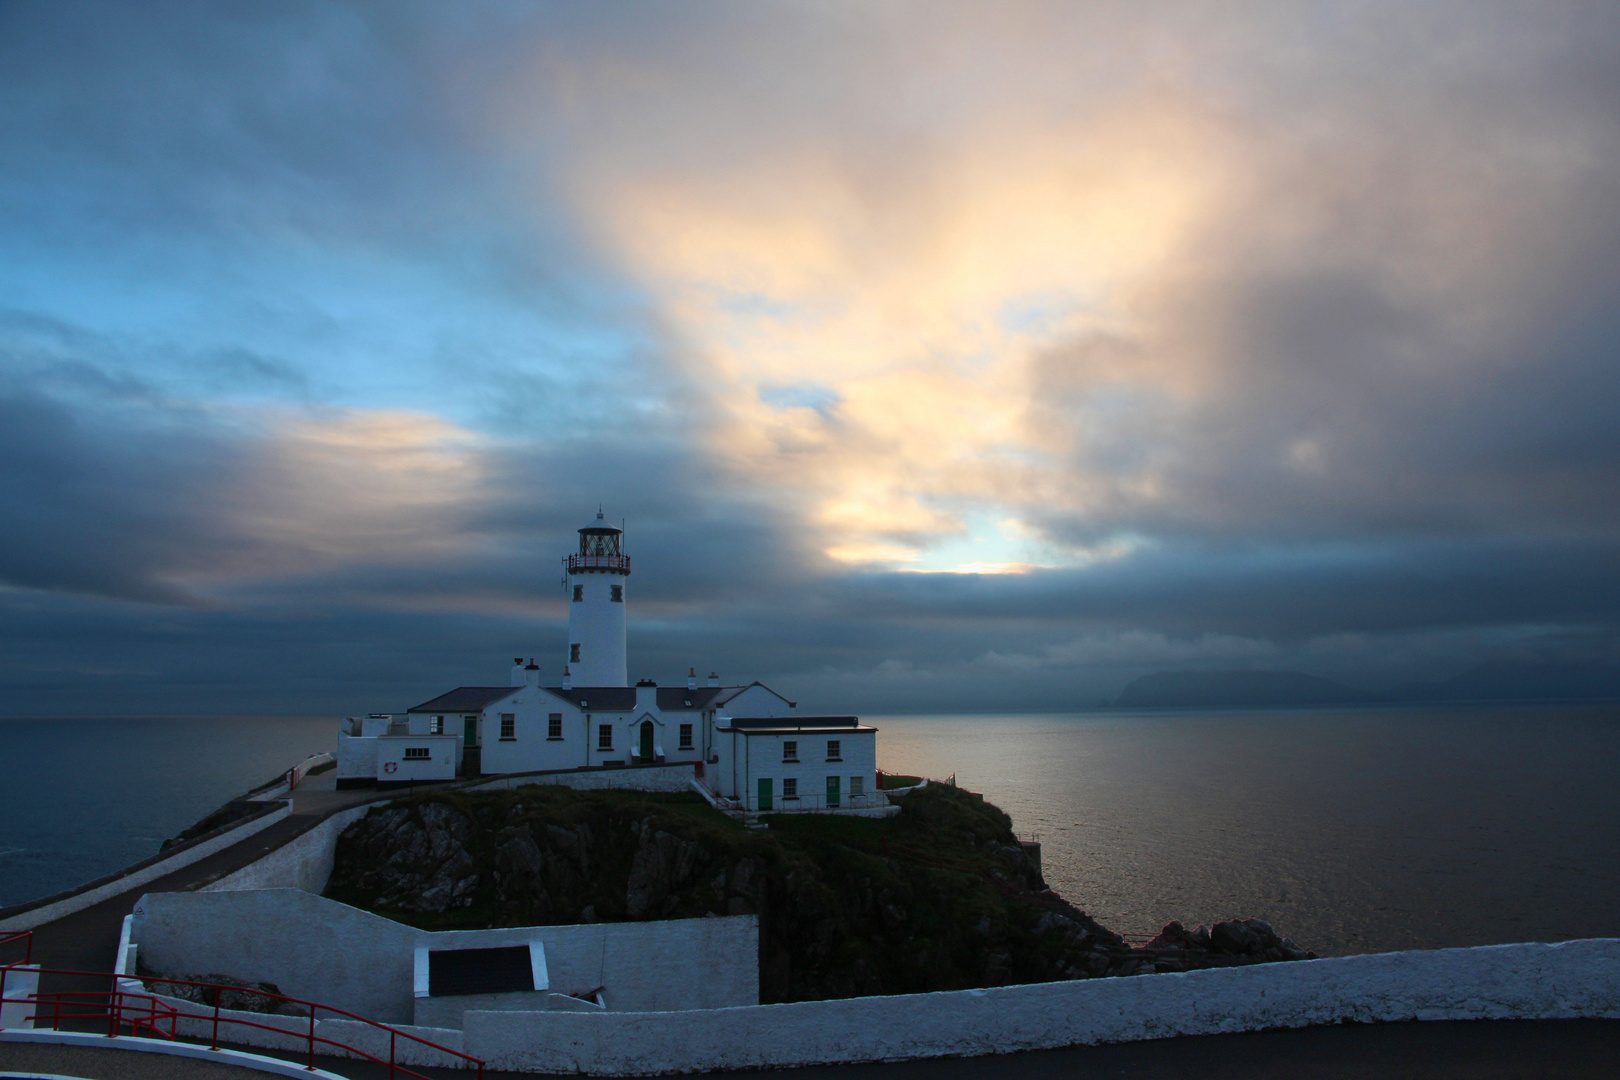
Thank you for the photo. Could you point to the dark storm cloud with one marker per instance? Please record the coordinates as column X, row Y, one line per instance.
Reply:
column 327, row 331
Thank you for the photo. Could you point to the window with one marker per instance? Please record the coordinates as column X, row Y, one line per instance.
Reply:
column 573, row 654
column 435, row 725
column 554, row 726
column 579, row 593
column 416, row 753
column 604, row 737
column 857, row 786
column 832, row 750
column 618, row 594
column 790, row 788
column 790, row 750
column 686, row 736
column 508, row 725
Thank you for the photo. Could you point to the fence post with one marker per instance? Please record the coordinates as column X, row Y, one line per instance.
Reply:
column 392, row 1038
column 312, row 1037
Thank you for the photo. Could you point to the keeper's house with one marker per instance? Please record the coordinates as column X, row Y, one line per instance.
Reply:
column 796, row 763
column 742, row 741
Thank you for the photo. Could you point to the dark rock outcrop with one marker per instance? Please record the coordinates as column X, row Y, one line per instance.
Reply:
column 250, row 997
column 941, row 897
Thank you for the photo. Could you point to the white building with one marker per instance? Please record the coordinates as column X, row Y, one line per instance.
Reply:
column 796, row 763
column 740, row 740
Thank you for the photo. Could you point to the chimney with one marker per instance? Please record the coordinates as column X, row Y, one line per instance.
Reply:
column 714, row 680
column 646, row 696
column 568, row 679
column 691, row 678
column 531, row 674
column 517, row 671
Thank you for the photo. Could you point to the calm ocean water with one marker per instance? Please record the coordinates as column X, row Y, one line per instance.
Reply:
column 85, row 797
column 1350, row 830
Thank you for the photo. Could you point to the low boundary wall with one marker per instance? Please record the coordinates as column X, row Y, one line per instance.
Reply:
column 38, row 913
column 1572, row 980
column 672, row 776
column 304, row 862
column 1576, row 979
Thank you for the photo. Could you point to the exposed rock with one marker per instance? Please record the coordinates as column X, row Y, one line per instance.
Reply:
column 940, row 897
column 252, row 997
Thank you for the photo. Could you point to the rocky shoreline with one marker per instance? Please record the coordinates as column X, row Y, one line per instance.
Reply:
column 940, row 897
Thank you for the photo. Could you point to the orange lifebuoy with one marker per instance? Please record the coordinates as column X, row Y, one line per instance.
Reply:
column 392, row 766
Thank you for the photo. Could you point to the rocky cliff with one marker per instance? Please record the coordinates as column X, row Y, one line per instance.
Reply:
column 940, row 897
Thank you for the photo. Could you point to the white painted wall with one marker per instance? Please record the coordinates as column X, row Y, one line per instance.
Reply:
column 757, row 700
column 596, row 625
column 1575, row 979
column 304, row 862
column 393, row 767
column 39, row 916
column 321, row 950
column 746, row 758
column 356, row 757
column 531, row 748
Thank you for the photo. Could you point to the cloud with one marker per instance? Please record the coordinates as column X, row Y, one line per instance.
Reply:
column 1276, row 334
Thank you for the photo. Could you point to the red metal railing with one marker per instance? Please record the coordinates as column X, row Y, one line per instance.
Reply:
column 25, row 936
column 122, row 1009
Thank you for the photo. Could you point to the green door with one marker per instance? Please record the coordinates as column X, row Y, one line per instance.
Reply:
column 764, row 794
column 646, row 740
column 832, row 790
column 469, row 736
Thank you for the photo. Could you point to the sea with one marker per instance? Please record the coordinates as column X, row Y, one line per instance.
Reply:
column 1349, row 830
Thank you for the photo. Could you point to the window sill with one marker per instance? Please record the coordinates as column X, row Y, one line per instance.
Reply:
column 790, row 798
column 790, row 761
column 554, row 738
column 507, row 738
column 839, row 759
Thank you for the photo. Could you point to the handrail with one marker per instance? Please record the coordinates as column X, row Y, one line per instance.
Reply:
column 23, row 935
column 116, row 1010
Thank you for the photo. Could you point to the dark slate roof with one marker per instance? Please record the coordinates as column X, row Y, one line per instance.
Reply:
column 623, row 698
column 674, row 698
column 729, row 692
column 600, row 698
column 786, row 725
column 465, row 699
column 479, row 971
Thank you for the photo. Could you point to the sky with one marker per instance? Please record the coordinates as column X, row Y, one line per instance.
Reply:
column 935, row 356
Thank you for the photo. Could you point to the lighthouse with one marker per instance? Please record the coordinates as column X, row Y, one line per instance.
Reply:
column 596, row 581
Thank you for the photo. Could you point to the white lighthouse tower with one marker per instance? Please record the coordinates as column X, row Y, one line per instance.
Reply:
column 596, row 581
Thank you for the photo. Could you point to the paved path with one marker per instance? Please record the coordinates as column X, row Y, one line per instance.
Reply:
column 87, row 940
column 104, row 1064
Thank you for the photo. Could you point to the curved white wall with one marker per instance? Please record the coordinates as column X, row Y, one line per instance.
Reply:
column 1574, row 979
